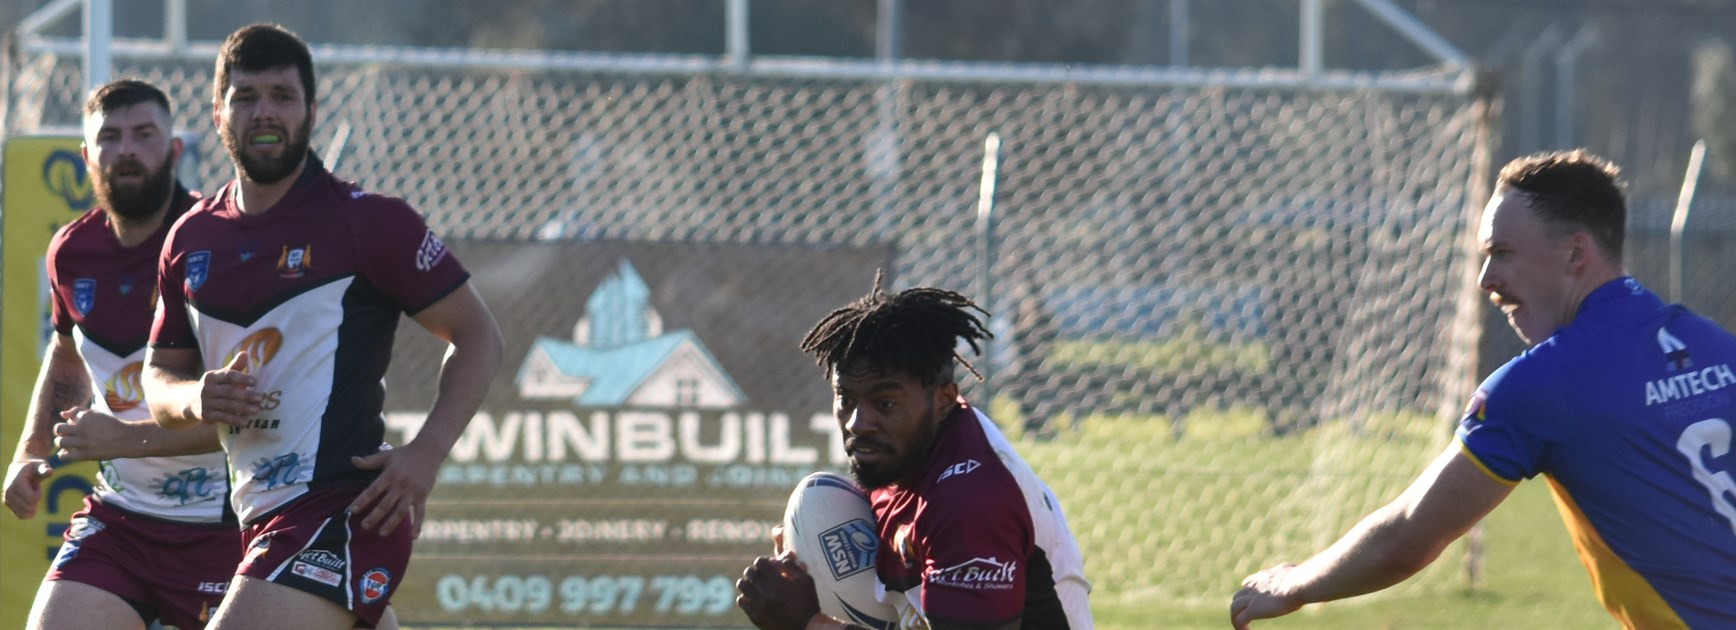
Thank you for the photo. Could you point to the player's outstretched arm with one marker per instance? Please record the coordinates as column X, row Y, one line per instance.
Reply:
column 93, row 435
column 1389, row 545
column 181, row 396
column 474, row 356
column 62, row 383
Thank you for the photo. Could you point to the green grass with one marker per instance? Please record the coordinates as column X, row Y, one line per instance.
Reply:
column 1170, row 526
column 1187, row 352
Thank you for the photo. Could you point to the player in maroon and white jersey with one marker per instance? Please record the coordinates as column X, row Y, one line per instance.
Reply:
column 154, row 542
column 280, row 295
column 970, row 537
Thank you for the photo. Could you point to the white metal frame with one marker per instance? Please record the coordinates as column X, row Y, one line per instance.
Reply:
column 1452, row 74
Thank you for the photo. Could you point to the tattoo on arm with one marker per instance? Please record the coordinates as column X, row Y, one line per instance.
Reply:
column 68, row 391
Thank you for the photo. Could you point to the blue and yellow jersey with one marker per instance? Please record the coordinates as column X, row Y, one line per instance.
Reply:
column 1628, row 412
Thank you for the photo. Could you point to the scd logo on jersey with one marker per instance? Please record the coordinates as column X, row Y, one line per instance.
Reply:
column 850, row 548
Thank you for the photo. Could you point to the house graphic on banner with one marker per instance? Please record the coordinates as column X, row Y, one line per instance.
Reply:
column 620, row 356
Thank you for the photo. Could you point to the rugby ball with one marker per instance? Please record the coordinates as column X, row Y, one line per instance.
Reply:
column 829, row 523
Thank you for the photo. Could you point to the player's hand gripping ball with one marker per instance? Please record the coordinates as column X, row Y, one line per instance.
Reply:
column 829, row 523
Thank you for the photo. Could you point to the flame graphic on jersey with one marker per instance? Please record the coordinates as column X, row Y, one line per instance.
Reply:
column 260, row 347
column 125, row 390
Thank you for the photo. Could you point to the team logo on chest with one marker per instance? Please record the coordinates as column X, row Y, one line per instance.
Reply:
column 1676, row 354
column 295, row 261
column 198, row 269
column 84, row 295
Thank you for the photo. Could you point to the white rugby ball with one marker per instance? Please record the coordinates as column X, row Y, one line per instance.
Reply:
column 829, row 523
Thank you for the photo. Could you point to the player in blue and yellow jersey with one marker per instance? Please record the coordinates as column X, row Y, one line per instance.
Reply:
column 1623, row 403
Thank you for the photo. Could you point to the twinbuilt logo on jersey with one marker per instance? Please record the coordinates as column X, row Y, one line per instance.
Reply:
column 295, row 261
column 976, row 574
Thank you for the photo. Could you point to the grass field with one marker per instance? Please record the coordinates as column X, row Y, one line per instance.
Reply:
column 1170, row 526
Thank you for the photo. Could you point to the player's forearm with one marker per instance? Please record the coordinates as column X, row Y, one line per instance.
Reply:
column 145, row 438
column 465, row 376
column 1378, row 552
column 61, row 384
column 171, row 395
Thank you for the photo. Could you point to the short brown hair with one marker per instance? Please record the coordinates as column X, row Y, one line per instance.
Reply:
column 261, row 47
column 125, row 92
column 1573, row 189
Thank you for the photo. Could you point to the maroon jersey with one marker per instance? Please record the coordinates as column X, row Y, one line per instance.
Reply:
column 103, row 295
column 978, row 538
column 312, row 289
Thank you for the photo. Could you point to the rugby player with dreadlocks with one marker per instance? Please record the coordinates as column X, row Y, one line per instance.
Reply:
column 969, row 536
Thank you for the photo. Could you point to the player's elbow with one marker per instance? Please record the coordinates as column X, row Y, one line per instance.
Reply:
column 1405, row 561
column 171, row 417
column 1408, row 555
column 489, row 348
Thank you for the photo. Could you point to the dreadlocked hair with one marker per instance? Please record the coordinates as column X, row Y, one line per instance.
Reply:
column 912, row 332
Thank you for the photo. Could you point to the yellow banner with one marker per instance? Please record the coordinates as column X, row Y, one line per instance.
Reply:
column 45, row 187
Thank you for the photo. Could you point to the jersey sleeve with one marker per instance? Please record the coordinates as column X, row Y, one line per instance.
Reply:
column 59, row 310
column 1513, row 425
column 170, row 327
column 979, row 542
column 405, row 259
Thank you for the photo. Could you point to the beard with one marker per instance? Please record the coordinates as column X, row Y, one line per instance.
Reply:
column 898, row 459
column 140, row 200
column 268, row 170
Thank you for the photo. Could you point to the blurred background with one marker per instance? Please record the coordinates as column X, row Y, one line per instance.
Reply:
column 1225, row 241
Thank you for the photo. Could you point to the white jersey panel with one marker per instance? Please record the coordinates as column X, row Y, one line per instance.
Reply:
column 292, row 352
column 187, row 488
column 1053, row 535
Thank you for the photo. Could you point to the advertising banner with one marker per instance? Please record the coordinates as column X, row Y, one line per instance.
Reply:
column 45, row 187
column 652, row 415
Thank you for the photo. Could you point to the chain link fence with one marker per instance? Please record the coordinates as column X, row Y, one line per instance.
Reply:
column 1230, row 319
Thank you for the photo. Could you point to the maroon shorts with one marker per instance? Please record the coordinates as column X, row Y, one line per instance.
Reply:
column 313, row 544
column 169, row 571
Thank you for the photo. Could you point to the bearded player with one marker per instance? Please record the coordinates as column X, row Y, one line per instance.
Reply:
column 155, row 542
column 969, row 536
